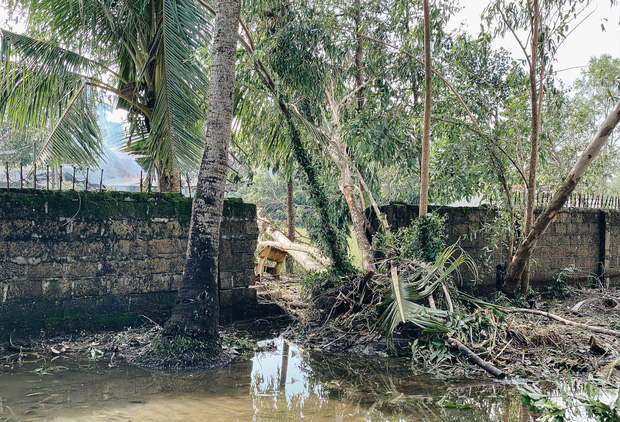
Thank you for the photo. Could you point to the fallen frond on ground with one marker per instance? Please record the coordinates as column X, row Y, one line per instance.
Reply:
column 350, row 315
column 130, row 345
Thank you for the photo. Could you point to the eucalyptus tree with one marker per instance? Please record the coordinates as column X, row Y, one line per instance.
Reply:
column 196, row 310
column 144, row 53
column 343, row 95
column 546, row 24
column 426, row 135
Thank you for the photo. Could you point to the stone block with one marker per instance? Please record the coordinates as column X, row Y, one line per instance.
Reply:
column 242, row 246
column 227, row 280
column 251, row 228
column 246, row 278
column 226, row 298
column 23, row 289
column 165, row 246
column 28, row 248
column 77, row 269
column 250, row 297
column 10, row 228
column 45, row 270
column 176, row 282
column 93, row 286
column 122, row 228
column 12, row 270
column 225, row 247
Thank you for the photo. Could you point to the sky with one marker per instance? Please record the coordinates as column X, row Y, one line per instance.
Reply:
column 585, row 40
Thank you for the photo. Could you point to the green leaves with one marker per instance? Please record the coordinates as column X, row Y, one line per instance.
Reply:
column 47, row 91
column 175, row 137
column 144, row 52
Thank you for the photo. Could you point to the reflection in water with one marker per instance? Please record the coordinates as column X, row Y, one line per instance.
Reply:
column 279, row 385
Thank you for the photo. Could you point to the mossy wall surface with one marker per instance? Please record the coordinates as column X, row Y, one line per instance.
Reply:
column 587, row 239
column 103, row 258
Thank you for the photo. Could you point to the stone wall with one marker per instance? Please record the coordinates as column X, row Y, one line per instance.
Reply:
column 587, row 239
column 78, row 259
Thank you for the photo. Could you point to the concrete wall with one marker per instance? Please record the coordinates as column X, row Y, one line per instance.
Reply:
column 588, row 239
column 78, row 259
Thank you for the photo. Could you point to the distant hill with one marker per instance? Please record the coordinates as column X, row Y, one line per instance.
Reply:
column 119, row 169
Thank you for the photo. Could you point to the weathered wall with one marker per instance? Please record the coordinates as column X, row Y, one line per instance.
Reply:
column 102, row 258
column 588, row 239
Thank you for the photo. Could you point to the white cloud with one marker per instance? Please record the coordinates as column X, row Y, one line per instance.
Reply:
column 117, row 116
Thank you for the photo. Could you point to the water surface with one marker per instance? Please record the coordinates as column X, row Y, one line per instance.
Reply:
column 279, row 385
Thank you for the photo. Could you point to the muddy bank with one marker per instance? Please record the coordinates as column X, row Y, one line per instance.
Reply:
column 525, row 343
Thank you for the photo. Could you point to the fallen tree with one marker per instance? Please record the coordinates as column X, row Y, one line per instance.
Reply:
column 517, row 266
column 310, row 258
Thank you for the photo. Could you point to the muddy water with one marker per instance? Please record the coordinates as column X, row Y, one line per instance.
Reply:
column 280, row 385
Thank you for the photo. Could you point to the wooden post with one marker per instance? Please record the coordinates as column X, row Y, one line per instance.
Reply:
column 189, row 186
column 73, row 185
column 21, row 175
column 60, row 179
column 47, row 177
column 101, row 182
column 140, row 180
column 148, row 175
column 8, row 185
column 86, row 181
column 34, row 184
column 180, row 183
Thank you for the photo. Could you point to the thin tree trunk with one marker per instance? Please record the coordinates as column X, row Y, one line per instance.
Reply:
column 359, row 74
column 339, row 153
column 535, row 97
column 290, row 212
column 359, row 228
column 426, row 133
column 524, row 252
column 196, row 310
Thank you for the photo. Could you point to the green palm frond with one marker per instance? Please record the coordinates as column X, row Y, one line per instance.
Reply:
column 75, row 137
column 415, row 285
column 46, row 91
column 425, row 280
column 180, row 87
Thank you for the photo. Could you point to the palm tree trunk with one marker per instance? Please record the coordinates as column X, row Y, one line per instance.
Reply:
column 521, row 259
column 196, row 310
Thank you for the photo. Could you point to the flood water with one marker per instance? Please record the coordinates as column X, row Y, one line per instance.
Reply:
column 280, row 385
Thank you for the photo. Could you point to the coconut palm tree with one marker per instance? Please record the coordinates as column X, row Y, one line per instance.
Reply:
column 145, row 53
column 196, row 310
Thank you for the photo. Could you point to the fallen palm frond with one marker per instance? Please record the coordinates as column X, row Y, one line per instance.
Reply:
column 418, row 281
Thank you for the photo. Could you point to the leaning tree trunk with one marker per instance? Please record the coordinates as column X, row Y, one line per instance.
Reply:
column 524, row 252
column 426, row 131
column 196, row 310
